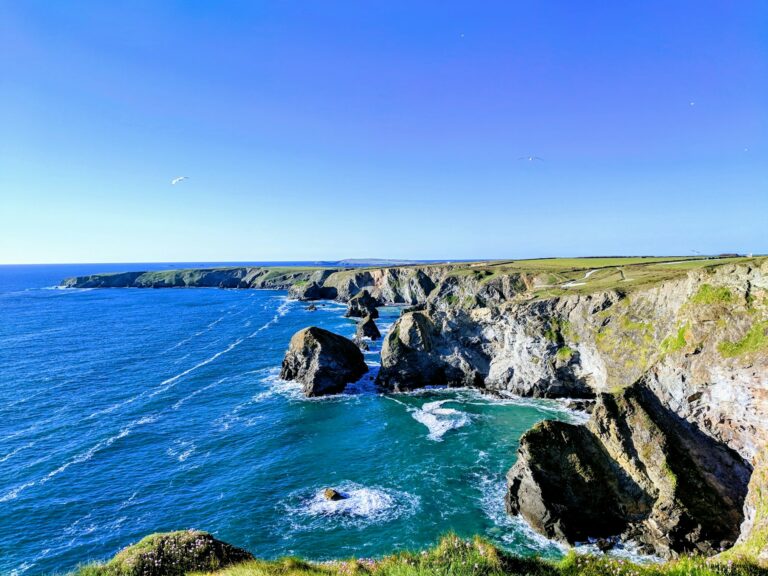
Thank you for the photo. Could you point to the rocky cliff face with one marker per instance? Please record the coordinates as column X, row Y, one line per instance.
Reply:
column 680, row 369
column 396, row 285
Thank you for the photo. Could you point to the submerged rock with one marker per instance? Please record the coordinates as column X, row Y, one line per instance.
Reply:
column 311, row 308
column 361, row 305
column 332, row 494
column 367, row 328
column 173, row 553
column 322, row 361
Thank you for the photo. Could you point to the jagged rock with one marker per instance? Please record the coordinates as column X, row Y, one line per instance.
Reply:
column 312, row 291
column 174, row 553
column 581, row 405
column 311, row 308
column 322, row 361
column 605, row 544
column 361, row 305
column 637, row 469
column 332, row 494
column 410, row 359
column 564, row 485
column 367, row 328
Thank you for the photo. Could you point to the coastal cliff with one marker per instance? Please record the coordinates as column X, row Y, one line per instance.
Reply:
column 674, row 354
column 273, row 278
column 680, row 372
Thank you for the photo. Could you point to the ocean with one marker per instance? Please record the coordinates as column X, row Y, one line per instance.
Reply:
column 130, row 411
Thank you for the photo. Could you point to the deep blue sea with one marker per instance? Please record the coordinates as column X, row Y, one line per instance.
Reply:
column 125, row 412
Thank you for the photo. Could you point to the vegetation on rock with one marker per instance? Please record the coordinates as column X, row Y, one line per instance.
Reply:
column 170, row 554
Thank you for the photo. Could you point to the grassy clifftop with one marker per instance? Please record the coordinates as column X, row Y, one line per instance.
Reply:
column 198, row 553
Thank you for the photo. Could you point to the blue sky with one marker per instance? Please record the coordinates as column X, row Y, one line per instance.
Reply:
column 324, row 130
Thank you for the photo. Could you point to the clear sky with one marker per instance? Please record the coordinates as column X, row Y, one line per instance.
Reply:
column 325, row 130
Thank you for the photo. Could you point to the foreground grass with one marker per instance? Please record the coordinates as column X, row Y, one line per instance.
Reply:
column 453, row 556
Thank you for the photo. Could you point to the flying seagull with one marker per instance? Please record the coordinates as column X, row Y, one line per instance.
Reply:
column 178, row 179
column 531, row 158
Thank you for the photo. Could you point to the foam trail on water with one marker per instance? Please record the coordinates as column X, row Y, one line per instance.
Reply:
column 360, row 506
column 168, row 383
column 440, row 420
column 16, row 451
column 79, row 458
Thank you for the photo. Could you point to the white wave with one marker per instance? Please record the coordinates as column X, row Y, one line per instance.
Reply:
column 440, row 420
column 18, row 449
column 181, row 450
column 361, row 505
column 623, row 550
column 511, row 530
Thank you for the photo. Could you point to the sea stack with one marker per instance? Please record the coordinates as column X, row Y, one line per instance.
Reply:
column 322, row 361
column 367, row 328
column 361, row 305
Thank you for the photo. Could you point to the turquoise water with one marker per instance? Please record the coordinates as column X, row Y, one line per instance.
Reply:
column 125, row 412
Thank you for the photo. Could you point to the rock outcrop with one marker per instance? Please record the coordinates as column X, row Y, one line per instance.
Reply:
column 322, row 361
column 361, row 305
column 174, row 553
column 366, row 328
column 410, row 357
column 636, row 470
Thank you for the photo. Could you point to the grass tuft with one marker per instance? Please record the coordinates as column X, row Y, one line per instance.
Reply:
column 755, row 340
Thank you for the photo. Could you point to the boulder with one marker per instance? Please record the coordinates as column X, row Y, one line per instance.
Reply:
column 361, row 305
column 322, row 361
column 367, row 328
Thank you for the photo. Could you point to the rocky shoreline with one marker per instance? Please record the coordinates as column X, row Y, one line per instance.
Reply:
column 674, row 456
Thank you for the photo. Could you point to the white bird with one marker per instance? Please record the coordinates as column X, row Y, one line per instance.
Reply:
column 531, row 158
column 178, row 179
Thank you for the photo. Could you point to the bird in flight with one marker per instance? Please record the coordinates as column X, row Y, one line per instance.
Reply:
column 531, row 158
column 178, row 179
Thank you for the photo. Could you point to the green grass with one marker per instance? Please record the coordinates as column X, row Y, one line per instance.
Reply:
column 708, row 294
column 755, row 340
column 676, row 341
column 454, row 556
column 564, row 353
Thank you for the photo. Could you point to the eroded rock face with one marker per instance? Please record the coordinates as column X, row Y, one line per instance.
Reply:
column 322, row 361
column 637, row 469
column 362, row 305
